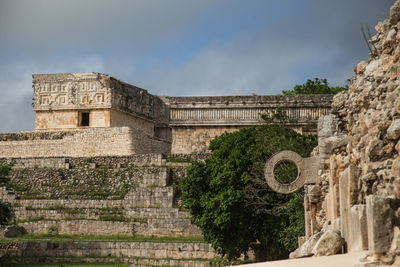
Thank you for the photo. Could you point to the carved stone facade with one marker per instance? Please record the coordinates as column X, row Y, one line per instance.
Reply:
column 70, row 101
column 195, row 121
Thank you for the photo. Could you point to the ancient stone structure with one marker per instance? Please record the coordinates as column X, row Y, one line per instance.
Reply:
column 195, row 121
column 116, row 196
column 92, row 114
column 96, row 165
column 68, row 101
column 358, row 190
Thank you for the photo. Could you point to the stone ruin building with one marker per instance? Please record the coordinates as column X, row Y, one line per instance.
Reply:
column 92, row 114
column 96, row 164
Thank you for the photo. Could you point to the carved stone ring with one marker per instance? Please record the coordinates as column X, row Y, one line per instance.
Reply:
column 307, row 171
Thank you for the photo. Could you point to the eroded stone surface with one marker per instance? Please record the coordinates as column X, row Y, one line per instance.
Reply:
column 329, row 243
column 361, row 173
column 380, row 224
column 306, row 250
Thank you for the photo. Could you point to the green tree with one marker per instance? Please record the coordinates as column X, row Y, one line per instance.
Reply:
column 230, row 201
column 6, row 211
column 316, row 86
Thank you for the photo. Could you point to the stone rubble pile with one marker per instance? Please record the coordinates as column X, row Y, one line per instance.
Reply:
column 360, row 143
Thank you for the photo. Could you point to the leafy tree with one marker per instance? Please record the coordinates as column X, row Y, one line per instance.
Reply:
column 316, row 86
column 6, row 211
column 230, row 201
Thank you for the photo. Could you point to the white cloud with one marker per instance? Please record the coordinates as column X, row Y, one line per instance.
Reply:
column 226, row 47
column 16, row 87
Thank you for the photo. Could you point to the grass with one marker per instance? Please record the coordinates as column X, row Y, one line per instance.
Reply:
column 179, row 160
column 120, row 238
column 64, row 264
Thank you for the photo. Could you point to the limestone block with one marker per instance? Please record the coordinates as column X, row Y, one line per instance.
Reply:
column 329, row 243
column 306, row 250
column 394, row 13
column 380, row 224
column 344, row 203
column 358, row 236
column 348, row 191
column 314, row 193
column 353, row 183
column 14, row 231
column 327, row 145
column 307, row 222
column 327, row 125
column 330, row 206
column 393, row 132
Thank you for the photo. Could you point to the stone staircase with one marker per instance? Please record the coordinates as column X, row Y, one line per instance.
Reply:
column 147, row 210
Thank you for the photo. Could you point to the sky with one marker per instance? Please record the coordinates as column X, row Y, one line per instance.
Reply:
column 180, row 47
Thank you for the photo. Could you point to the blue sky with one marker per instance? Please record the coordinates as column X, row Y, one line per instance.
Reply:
column 180, row 47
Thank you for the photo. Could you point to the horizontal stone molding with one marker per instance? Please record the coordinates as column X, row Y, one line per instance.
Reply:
column 173, row 250
column 79, row 162
column 241, row 116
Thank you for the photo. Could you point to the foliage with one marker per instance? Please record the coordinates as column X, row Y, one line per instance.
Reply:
column 106, row 238
column 4, row 171
column 316, row 86
column 6, row 213
column 230, row 201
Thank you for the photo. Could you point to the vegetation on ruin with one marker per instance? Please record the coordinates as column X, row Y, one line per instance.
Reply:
column 105, row 238
column 6, row 211
column 230, row 201
column 316, row 86
column 79, row 183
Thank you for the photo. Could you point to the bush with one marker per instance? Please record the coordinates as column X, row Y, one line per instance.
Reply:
column 6, row 213
column 230, row 201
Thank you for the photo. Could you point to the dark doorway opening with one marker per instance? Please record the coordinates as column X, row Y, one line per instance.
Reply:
column 84, row 119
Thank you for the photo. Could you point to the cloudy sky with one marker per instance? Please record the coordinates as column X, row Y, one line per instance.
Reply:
column 180, row 47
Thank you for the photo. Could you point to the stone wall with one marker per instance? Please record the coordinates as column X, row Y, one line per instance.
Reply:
column 176, row 250
column 195, row 121
column 84, row 143
column 76, row 162
column 118, row 119
column 187, row 139
column 360, row 143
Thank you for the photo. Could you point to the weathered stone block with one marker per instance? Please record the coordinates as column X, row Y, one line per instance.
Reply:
column 348, row 190
column 380, row 224
column 329, row 243
column 344, row 203
column 327, row 126
column 358, row 236
column 393, row 132
column 14, row 231
column 306, row 249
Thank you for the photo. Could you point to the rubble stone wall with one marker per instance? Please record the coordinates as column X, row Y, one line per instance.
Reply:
column 360, row 142
column 176, row 250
